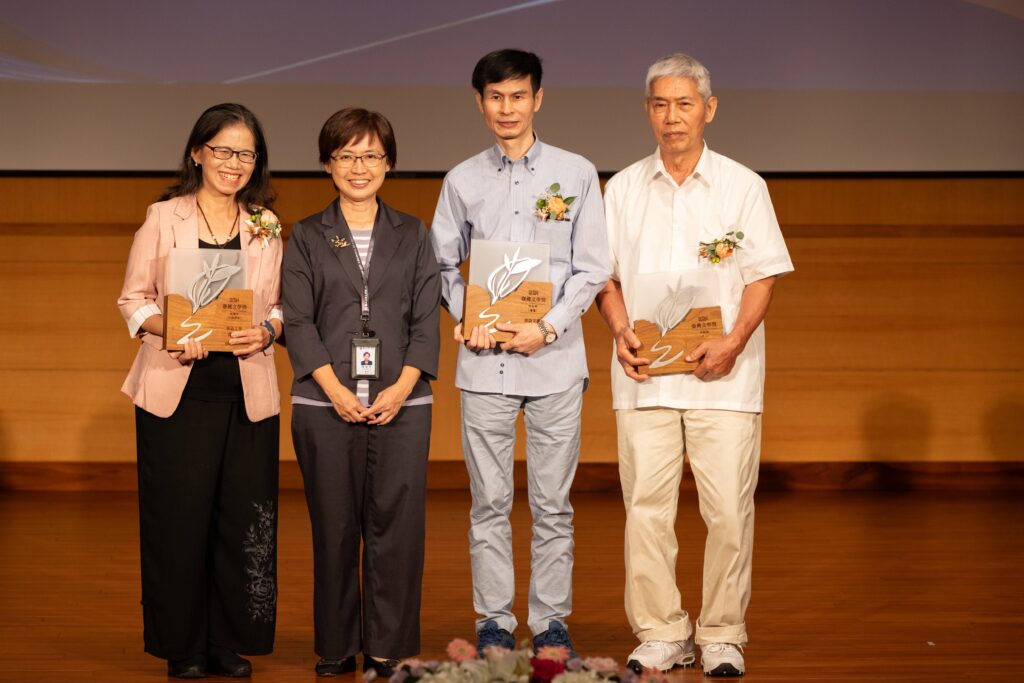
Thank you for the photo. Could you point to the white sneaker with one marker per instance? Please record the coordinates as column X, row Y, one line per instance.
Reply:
column 722, row 659
column 661, row 655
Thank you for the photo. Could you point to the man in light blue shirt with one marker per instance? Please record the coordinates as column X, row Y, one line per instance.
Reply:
column 542, row 370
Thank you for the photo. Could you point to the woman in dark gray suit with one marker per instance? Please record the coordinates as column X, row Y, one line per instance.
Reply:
column 361, row 291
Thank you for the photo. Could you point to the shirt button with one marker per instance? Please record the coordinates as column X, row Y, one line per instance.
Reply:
column 517, row 212
column 517, row 182
column 502, row 365
column 501, row 372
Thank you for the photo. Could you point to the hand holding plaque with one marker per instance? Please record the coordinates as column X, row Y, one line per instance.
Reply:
column 669, row 326
column 508, row 283
column 207, row 299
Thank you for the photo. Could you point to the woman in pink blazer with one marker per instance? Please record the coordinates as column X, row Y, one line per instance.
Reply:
column 207, row 423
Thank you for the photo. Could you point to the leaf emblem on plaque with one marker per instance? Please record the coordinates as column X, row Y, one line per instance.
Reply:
column 504, row 279
column 670, row 312
column 674, row 307
column 210, row 282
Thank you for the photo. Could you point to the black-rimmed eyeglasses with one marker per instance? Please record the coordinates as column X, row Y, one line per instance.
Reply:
column 224, row 153
column 370, row 159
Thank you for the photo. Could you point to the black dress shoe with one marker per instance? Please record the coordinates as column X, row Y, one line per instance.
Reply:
column 223, row 662
column 189, row 667
column 384, row 668
column 335, row 667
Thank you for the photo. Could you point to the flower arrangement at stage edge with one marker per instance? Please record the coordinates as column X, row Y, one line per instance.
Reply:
column 553, row 205
column 263, row 224
column 499, row 665
column 722, row 248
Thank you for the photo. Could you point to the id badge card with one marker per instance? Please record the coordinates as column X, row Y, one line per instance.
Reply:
column 365, row 357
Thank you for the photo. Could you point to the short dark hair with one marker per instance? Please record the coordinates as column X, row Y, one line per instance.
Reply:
column 257, row 192
column 352, row 123
column 503, row 65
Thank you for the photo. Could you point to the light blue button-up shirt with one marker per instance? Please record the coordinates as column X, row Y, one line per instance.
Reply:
column 491, row 197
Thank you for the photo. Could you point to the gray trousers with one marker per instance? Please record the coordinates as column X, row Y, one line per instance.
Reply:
column 552, row 451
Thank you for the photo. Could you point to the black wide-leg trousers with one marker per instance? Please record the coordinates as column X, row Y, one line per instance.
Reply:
column 208, row 529
column 365, row 483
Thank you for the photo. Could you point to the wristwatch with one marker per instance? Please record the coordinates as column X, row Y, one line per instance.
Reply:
column 547, row 331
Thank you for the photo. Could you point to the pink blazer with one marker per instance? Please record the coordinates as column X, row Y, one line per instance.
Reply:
column 156, row 380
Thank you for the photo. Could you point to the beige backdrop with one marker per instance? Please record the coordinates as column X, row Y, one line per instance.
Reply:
column 897, row 339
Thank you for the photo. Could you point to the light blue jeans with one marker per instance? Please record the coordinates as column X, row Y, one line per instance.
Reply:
column 552, row 452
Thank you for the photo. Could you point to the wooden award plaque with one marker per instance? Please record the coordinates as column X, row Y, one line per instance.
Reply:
column 526, row 304
column 508, row 283
column 206, row 299
column 667, row 352
column 212, row 324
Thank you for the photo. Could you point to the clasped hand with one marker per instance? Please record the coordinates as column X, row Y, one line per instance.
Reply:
column 384, row 409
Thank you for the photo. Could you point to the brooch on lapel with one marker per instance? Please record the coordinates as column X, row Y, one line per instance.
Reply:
column 340, row 242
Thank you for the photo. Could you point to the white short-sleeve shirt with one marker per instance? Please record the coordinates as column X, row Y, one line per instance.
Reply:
column 656, row 226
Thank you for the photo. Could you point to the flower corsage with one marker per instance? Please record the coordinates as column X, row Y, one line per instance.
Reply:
column 722, row 248
column 263, row 225
column 552, row 205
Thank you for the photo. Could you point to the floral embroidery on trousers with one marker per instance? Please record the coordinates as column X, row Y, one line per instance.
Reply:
column 259, row 565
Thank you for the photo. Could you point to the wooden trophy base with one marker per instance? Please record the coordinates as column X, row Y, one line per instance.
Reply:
column 698, row 325
column 229, row 312
column 526, row 304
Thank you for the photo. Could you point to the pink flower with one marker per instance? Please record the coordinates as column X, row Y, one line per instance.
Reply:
column 268, row 218
column 554, row 653
column 460, row 650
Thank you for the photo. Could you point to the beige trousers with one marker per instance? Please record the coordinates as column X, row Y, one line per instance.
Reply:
column 723, row 448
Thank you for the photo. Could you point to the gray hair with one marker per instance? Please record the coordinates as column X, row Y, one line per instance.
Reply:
column 681, row 66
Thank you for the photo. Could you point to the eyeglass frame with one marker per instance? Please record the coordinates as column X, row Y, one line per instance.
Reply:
column 379, row 157
column 233, row 153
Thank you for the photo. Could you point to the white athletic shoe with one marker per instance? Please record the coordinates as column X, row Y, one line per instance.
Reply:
column 722, row 659
column 661, row 655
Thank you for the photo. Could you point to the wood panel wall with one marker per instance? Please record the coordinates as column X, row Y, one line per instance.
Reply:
column 897, row 339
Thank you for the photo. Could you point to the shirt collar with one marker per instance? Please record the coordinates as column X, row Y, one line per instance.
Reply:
column 530, row 159
column 702, row 172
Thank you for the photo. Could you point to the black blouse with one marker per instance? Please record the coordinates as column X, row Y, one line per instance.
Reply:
column 217, row 378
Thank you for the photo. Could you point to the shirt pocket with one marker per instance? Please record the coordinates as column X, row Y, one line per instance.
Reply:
column 558, row 235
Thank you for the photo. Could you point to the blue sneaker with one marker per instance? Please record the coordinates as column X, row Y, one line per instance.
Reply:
column 490, row 634
column 556, row 635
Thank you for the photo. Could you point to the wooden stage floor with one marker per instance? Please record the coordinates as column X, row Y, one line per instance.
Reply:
column 847, row 586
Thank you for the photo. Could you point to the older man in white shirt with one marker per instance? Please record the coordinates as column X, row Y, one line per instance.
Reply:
column 660, row 211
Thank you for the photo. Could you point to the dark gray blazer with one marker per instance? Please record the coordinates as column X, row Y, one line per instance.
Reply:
column 321, row 287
